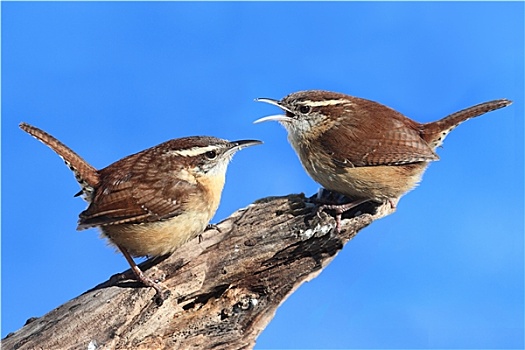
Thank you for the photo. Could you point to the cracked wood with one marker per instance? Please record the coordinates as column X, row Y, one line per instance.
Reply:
column 224, row 288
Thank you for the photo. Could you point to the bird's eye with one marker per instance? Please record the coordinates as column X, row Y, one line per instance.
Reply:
column 304, row 109
column 211, row 154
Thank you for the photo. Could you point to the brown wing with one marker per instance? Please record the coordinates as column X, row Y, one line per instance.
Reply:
column 132, row 191
column 378, row 140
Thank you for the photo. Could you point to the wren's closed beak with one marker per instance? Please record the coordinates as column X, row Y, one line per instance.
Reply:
column 238, row 145
column 276, row 117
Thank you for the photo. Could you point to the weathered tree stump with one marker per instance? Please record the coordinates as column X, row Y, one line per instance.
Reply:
column 225, row 286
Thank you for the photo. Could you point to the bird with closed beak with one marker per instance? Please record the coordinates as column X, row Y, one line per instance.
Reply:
column 152, row 202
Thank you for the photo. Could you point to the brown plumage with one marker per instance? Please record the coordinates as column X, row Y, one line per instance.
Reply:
column 361, row 148
column 151, row 202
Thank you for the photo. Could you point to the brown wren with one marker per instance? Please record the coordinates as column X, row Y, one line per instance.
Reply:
column 151, row 202
column 361, row 148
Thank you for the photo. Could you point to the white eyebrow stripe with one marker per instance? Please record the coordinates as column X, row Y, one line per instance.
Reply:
column 325, row 103
column 195, row 151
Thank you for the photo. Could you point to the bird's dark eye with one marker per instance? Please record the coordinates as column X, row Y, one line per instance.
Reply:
column 304, row 109
column 211, row 154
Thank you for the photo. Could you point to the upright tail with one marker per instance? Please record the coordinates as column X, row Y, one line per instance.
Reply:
column 86, row 175
column 435, row 132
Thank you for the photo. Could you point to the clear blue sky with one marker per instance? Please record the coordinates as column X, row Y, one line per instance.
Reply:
column 110, row 79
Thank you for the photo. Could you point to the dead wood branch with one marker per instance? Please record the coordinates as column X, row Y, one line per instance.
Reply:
column 224, row 290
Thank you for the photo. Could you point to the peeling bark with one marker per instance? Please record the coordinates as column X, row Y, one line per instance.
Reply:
column 225, row 289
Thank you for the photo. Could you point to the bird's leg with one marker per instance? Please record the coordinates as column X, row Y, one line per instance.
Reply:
column 340, row 209
column 161, row 292
column 331, row 201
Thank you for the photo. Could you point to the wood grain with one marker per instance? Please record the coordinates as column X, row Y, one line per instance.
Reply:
column 225, row 289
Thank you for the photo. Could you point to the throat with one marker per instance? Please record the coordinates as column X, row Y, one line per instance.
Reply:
column 212, row 187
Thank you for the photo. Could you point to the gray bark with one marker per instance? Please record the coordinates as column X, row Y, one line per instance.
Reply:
column 225, row 287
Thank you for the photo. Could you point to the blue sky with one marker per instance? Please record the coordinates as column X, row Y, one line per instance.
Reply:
column 110, row 79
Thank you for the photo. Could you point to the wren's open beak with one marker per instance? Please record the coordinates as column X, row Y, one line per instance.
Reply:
column 276, row 117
